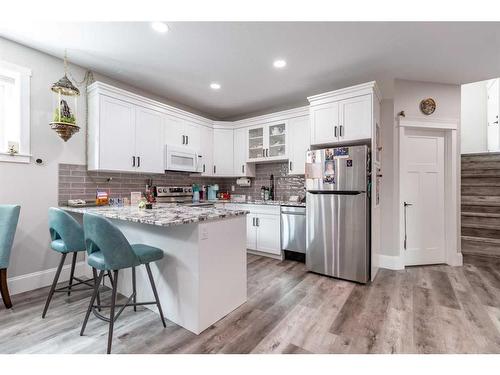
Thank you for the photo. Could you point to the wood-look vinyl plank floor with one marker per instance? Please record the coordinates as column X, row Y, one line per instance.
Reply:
column 432, row 309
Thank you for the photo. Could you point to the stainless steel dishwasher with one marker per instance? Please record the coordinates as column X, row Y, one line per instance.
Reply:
column 293, row 229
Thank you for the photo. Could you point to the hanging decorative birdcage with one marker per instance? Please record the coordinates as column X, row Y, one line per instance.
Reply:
column 65, row 96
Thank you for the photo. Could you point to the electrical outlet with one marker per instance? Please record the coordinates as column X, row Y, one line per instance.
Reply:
column 203, row 232
column 232, row 188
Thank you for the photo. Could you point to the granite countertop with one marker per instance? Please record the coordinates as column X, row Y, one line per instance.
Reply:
column 269, row 203
column 162, row 214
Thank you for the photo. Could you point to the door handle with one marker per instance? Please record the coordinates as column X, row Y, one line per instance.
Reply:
column 335, row 131
column 187, row 139
column 267, row 152
column 138, row 161
column 133, row 161
column 290, row 166
column 243, row 168
column 340, row 130
column 253, row 221
column 215, row 169
column 257, row 221
column 405, row 242
column 203, row 168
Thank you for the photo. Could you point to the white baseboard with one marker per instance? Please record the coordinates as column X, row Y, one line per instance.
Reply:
column 35, row 280
column 391, row 262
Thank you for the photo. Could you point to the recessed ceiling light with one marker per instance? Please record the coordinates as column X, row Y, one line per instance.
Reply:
column 214, row 86
column 160, row 27
column 279, row 63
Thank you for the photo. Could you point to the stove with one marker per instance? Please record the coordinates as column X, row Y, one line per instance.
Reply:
column 174, row 194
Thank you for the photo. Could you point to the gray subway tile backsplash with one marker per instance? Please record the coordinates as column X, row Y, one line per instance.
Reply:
column 75, row 182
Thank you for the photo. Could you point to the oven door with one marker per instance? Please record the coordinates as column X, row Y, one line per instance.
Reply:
column 180, row 159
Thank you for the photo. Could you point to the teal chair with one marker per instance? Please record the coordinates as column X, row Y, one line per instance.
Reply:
column 109, row 250
column 9, row 216
column 67, row 237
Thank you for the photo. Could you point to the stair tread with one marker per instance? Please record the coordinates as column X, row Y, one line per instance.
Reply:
column 495, row 241
column 480, row 226
column 480, row 214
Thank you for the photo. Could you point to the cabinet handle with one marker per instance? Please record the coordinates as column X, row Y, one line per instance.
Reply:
column 133, row 161
column 340, row 132
column 257, row 221
column 263, row 152
column 335, row 132
column 187, row 139
column 138, row 161
column 243, row 168
column 267, row 152
column 215, row 169
column 290, row 166
column 253, row 221
column 203, row 168
column 183, row 141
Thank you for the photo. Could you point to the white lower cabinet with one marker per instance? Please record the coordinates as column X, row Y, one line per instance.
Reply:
column 268, row 233
column 263, row 227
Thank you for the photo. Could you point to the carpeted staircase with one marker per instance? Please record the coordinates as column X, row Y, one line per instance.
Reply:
column 481, row 204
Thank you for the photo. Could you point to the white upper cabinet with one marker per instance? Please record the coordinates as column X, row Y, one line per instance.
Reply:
column 149, row 126
column 299, row 144
column 223, row 152
column 324, row 123
column 124, row 137
column 115, row 132
column 355, row 118
column 268, row 142
column 174, row 131
column 342, row 116
column 192, row 133
column 206, row 150
column 241, row 167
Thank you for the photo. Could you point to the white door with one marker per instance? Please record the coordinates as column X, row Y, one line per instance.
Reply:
column 324, row 123
column 298, row 130
column 493, row 112
column 355, row 118
column 268, row 234
column 116, row 135
column 223, row 152
column 251, row 232
column 149, row 147
column 174, row 131
column 422, row 189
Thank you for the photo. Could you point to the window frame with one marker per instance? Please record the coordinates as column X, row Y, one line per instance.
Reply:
column 24, row 74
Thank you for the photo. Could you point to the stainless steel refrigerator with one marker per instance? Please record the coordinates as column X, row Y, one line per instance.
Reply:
column 338, row 213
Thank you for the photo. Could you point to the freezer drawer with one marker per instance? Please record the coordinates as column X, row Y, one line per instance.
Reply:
column 337, row 236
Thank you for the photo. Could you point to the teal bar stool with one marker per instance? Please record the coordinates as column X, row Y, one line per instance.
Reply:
column 9, row 216
column 67, row 237
column 109, row 250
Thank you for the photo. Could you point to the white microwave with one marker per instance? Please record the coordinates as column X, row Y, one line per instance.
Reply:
column 180, row 158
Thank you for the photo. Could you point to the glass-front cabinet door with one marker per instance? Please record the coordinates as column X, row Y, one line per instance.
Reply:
column 256, row 143
column 277, row 141
column 267, row 142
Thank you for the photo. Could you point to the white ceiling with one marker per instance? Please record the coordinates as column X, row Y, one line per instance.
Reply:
column 180, row 64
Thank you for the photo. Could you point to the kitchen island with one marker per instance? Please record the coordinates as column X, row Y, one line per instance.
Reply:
column 202, row 276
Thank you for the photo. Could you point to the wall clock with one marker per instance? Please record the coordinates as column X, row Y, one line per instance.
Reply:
column 428, row 106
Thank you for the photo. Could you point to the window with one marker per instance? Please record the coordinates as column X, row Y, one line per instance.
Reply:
column 14, row 112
